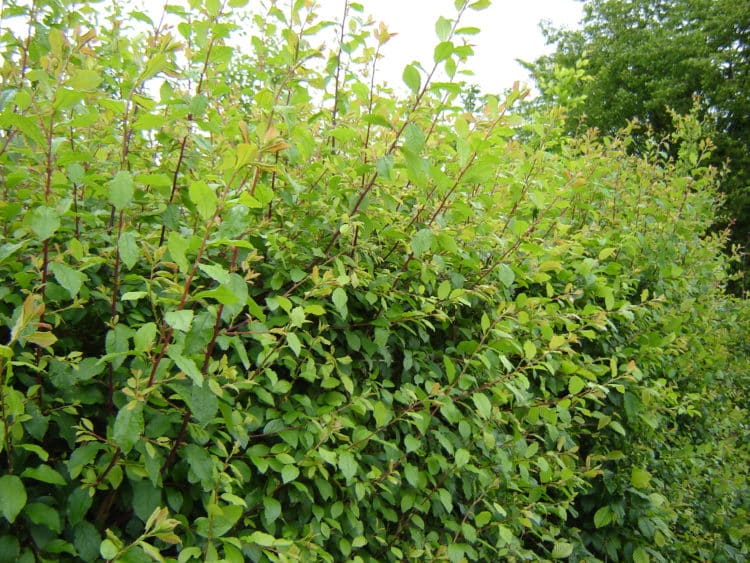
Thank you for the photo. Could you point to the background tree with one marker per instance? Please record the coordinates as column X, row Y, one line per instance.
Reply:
column 647, row 56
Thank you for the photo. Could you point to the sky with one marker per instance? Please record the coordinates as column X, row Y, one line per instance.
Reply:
column 510, row 31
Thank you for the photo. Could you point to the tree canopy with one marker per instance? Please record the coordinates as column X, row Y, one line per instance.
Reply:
column 644, row 58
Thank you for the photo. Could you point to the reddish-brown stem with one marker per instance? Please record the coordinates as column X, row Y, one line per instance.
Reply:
column 177, row 442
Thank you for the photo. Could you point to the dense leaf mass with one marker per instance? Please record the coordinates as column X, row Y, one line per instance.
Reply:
column 257, row 307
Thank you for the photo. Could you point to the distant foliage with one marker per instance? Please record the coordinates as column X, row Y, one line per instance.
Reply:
column 645, row 58
column 256, row 307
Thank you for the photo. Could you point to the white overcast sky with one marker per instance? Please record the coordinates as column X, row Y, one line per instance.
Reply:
column 510, row 31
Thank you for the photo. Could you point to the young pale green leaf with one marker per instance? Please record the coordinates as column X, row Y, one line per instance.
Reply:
column 412, row 78
column 506, row 275
column 85, row 80
column 121, row 190
column 640, row 478
column 12, row 497
column 340, row 299
column 576, row 385
column 128, row 426
column 480, row 4
column 294, row 343
column 204, row 199
column 443, row 28
column 529, row 350
column 179, row 320
column 562, row 550
column 443, row 51
column 260, row 538
column 483, row 405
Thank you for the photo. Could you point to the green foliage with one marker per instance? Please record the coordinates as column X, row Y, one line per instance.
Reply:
column 644, row 58
column 256, row 307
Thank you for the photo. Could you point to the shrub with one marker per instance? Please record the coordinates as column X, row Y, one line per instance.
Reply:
column 258, row 307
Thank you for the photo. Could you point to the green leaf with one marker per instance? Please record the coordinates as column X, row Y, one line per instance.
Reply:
column 68, row 278
column 443, row 28
column 203, row 403
column 421, row 242
column 340, row 299
column 12, row 497
column 179, row 320
column 144, row 337
column 382, row 414
column 289, row 473
column 411, row 443
column 412, row 78
column 271, row 509
column 121, row 190
column 187, row 366
column 85, row 80
column 603, row 517
column 45, row 474
column 79, row 502
column 640, row 555
column 128, row 247
column 576, row 385
column 506, row 275
column 640, row 478
column 44, row 515
column 44, row 222
column 483, row 405
column 215, row 272
column 177, row 246
column 461, row 457
column 294, row 343
column 562, row 550
column 450, row 369
column 483, row 518
column 204, row 198
column 260, row 538
column 347, row 464
column 529, row 350
column 128, row 426
column 108, row 550
column 444, row 290
column 442, row 51
column 480, row 4
column 314, row 309
column 384, row 167
column 200, row 462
